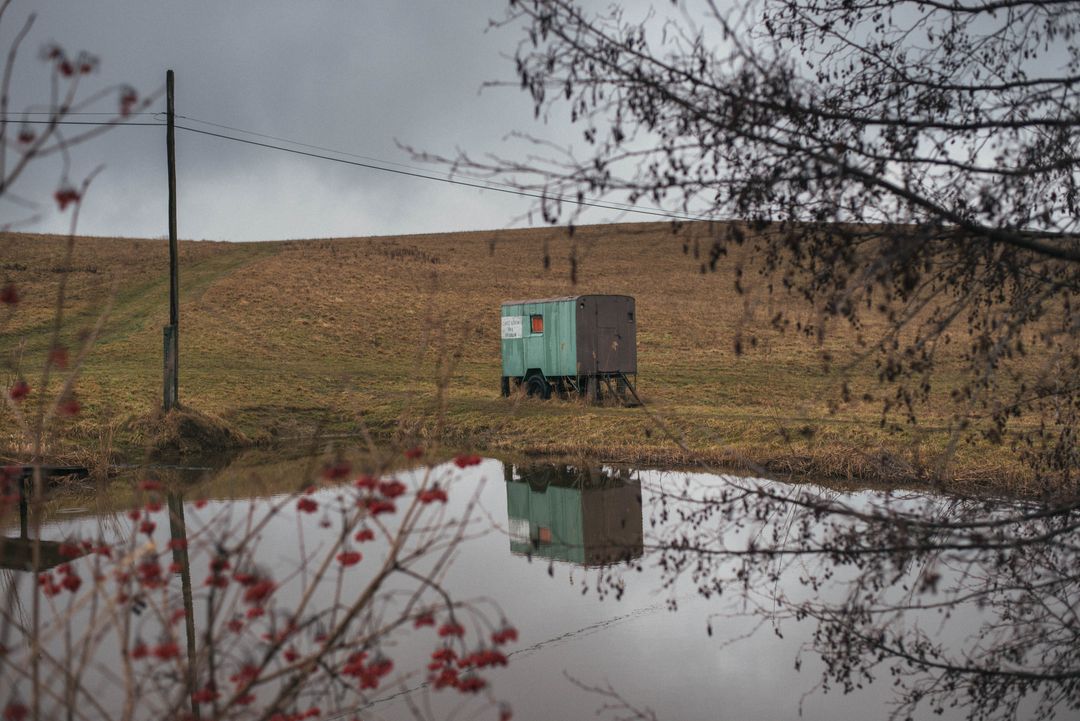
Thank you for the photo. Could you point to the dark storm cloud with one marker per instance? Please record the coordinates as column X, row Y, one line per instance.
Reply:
column 354, row 76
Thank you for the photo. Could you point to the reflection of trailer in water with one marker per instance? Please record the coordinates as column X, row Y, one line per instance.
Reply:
column 587, row 516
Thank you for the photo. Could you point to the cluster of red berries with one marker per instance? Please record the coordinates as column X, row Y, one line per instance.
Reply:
column 337, row 470
column 483, row 658
column 128, row 99
column 505, row 634
column 84, row 64
column 164, row 651
column 247, row 674
column 65, row 195
column 74, row 549
column 69, row 406
column 444, row 674
column 434, row 493
column 16, row 711
column 148, row 573
column 369, row 674
column 19, row 390
column 9, row 294
column 380, row 495
column 449, row 670
column 349, row 558
column 65, row 579
column 465, row 460
column 218, row 577
column 257, row 589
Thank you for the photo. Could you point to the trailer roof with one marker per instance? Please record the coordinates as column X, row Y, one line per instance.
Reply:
column 567, row 298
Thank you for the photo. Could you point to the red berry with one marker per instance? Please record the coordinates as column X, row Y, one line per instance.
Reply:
column 466, row 460
column 19, row 390
column 9, row 295
column 392, row 489
column 166, row 650
column 16, row 711
column 69, row 406
column 65, row 196
column 432, row 494
column 505, row 634
column 259, row 591
column 128, row 98
column 349, row 558
column 336, row 471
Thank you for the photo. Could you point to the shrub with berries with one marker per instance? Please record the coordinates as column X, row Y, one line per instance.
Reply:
column 208, row 626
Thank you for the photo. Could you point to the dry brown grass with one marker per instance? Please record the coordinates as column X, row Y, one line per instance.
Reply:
column 288, row 339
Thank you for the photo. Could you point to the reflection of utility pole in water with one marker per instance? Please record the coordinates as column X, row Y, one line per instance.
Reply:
column 587, row 516
column 178, row 533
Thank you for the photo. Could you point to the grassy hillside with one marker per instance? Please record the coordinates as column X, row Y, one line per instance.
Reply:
column 289, row 339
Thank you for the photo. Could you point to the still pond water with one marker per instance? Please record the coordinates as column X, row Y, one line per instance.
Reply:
column 638, row 583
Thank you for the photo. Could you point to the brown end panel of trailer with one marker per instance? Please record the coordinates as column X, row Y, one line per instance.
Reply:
column 606, row 334
column 611, row 523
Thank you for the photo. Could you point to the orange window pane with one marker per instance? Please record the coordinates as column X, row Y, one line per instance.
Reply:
column 537, row 323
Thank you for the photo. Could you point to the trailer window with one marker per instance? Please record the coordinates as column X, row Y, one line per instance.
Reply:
column 537, row 323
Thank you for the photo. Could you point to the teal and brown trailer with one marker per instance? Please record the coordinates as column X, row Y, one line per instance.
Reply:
column 577, row 344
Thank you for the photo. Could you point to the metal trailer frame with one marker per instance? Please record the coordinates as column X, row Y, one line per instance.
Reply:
column 583, row 346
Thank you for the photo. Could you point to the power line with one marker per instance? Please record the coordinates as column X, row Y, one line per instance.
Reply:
column 86, row 122
column 452, row 181
column 485, row 181
column 17, row 115
column 296, row 142
column 409, row 172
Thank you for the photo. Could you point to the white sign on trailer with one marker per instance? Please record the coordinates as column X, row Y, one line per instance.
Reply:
column 511, row 326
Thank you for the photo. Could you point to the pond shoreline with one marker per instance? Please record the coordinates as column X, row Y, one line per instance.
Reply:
column 833, row 464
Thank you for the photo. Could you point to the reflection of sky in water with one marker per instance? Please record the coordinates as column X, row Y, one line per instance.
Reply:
column 522, row 556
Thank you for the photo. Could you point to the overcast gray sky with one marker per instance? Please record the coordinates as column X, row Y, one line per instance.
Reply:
column 351, row 75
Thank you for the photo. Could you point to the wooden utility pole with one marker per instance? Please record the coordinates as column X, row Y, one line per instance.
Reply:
column 171, row 386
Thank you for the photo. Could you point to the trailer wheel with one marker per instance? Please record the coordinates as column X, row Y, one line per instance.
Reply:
column 537, row 385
